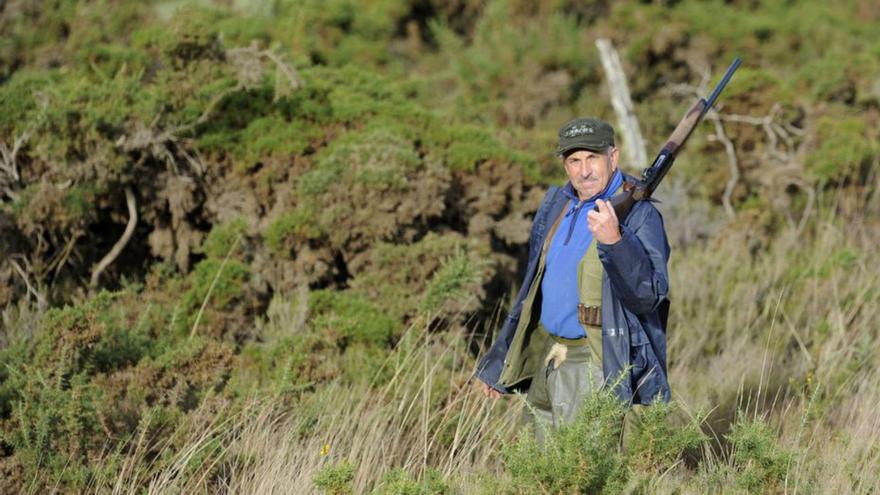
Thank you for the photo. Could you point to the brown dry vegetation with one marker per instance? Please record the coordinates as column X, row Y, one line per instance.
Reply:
column 332, row 205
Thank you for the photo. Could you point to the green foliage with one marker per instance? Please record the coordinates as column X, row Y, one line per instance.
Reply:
column 343, row 32
column 454, row 281
column 842, row 261
column 20, row 99
column 224, row 238
column 351, row 317
column 376, row 158
column 759, row 464
column 578, row 457
column 464, row 147
column 297, row 225
column 656, row 443
column 54, row 424
column 222, row 280
column 439, row 273
column 836, row 77
column 42, row 204
column 275, row 137
column 588, row 455
column 846, row 147
column 406, row 113
column 50, row 404
column 280, row 367
column 398, row 482
column 336, row 479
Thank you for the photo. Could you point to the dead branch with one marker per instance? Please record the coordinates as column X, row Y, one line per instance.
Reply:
column 8, row 156
column 9, row 165
column 732, row 162
column 622, row 103
column 293, row 80
column 120, row 244
column 59, row 261
column 41, row 301
column 248, row 62
column 787, row 159
column 774, row 131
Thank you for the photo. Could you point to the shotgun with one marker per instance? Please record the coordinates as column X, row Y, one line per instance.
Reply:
column 651, row 176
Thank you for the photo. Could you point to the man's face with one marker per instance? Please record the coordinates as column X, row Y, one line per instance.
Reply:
column 590, row 171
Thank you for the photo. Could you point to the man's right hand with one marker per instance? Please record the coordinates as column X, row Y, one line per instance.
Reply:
column 486, row 390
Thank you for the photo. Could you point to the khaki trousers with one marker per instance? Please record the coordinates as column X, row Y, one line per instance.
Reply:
column 559, row 386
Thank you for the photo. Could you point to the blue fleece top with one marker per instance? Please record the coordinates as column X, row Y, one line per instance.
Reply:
column 559, row 288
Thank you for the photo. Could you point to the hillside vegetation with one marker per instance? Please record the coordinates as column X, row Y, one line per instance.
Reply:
column 256, row 246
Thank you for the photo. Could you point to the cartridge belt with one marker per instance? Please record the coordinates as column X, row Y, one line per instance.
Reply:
column 590, row 315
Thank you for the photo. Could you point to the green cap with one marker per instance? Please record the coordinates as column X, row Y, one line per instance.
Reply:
column 585, row 133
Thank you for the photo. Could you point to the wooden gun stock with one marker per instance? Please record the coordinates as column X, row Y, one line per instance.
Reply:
column 651, row 177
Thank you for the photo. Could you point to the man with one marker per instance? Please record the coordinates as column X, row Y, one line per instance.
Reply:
column 593, row 305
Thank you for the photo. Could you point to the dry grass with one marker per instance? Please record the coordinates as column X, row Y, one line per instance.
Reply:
column 784, row 332
column 426, row 416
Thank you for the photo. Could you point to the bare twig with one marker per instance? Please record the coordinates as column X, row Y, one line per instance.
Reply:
column 158, row 142
column 732, row 162
column 784, row 174
column 41, row 301
column 289, row 73
column 57, row 263
column 8, row 156
column 787, row 158
column 120, row 244
column 774, row 131
column 9, row 175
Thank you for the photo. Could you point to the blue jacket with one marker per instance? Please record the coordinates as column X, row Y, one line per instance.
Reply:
column 635, row 304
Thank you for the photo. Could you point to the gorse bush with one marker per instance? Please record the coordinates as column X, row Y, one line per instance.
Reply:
column 580, row 457
column 657, row 439
column 606, row 449
column 758, row 463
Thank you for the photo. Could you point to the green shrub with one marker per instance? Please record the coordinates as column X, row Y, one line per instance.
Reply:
column 49, row 399
column 351, row 317
column 578, row 457
column 398, row 482
column 54, row 426
column 297, row 225
column 223, row 282
column 19, row 99
column 454, row 283
column 846, row 145
column 273, row 136
column 377, row 159
column 336, row 479
column 464, row 147
column 280, row 367
column 223, row 239
column 760, row 465
column 656, row 443
column 436, row 273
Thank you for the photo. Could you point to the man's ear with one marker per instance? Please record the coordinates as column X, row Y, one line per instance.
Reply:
column 615, row 156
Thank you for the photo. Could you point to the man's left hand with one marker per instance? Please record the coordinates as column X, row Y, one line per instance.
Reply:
column 603, row 223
